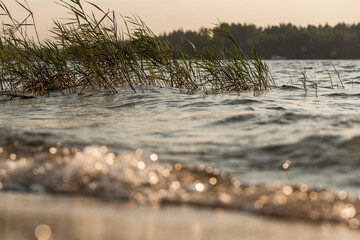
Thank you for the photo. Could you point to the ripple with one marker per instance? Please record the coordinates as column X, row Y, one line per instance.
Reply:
column 240, row 101
column 290, row 87
column 286, row 118
column 343, row 95
column 126, row 105
column 201, row 104
column 235, row 119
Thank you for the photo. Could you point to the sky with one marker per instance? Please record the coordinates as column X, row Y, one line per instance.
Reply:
column 168, row 15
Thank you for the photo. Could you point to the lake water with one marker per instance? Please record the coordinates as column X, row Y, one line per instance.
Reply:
column 266, row 152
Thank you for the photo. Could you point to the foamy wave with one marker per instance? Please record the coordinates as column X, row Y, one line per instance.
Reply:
column 97, row 172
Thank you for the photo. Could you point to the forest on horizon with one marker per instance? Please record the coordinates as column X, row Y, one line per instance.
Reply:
column 341, row 41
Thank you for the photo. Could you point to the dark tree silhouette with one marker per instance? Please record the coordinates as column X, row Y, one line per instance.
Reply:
column 341, row 41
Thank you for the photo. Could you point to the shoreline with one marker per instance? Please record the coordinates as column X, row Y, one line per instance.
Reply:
column 23, row 214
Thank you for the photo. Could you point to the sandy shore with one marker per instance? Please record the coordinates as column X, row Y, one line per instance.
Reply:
column 40, row 216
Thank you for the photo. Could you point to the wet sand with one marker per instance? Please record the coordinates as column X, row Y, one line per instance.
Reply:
column 41, row 216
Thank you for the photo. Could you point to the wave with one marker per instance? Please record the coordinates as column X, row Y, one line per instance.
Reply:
column 97, row 172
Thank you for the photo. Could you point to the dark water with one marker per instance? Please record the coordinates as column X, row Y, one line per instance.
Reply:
column 268, row 152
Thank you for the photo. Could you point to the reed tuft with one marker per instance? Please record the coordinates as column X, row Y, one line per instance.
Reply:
column 92, row 51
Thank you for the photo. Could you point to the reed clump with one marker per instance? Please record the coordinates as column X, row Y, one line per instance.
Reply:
column 93, row 51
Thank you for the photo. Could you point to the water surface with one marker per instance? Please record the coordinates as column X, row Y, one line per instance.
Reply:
column 289, row 135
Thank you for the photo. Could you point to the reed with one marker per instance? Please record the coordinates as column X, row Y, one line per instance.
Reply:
column 338, row 75
column 306, row 82
column 331, row 82
column 90, row 51
column 290, row 79
column 314, row 84
column 234, row 70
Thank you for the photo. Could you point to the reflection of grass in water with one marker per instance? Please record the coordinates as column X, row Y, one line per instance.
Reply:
column 91, row 51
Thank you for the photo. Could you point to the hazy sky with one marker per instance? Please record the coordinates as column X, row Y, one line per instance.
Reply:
column 167, row 15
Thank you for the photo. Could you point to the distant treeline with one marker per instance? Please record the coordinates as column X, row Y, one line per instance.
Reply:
column 286, row 40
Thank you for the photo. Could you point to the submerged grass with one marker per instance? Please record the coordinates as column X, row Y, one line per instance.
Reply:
column 307, row 82
column 93, row 51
